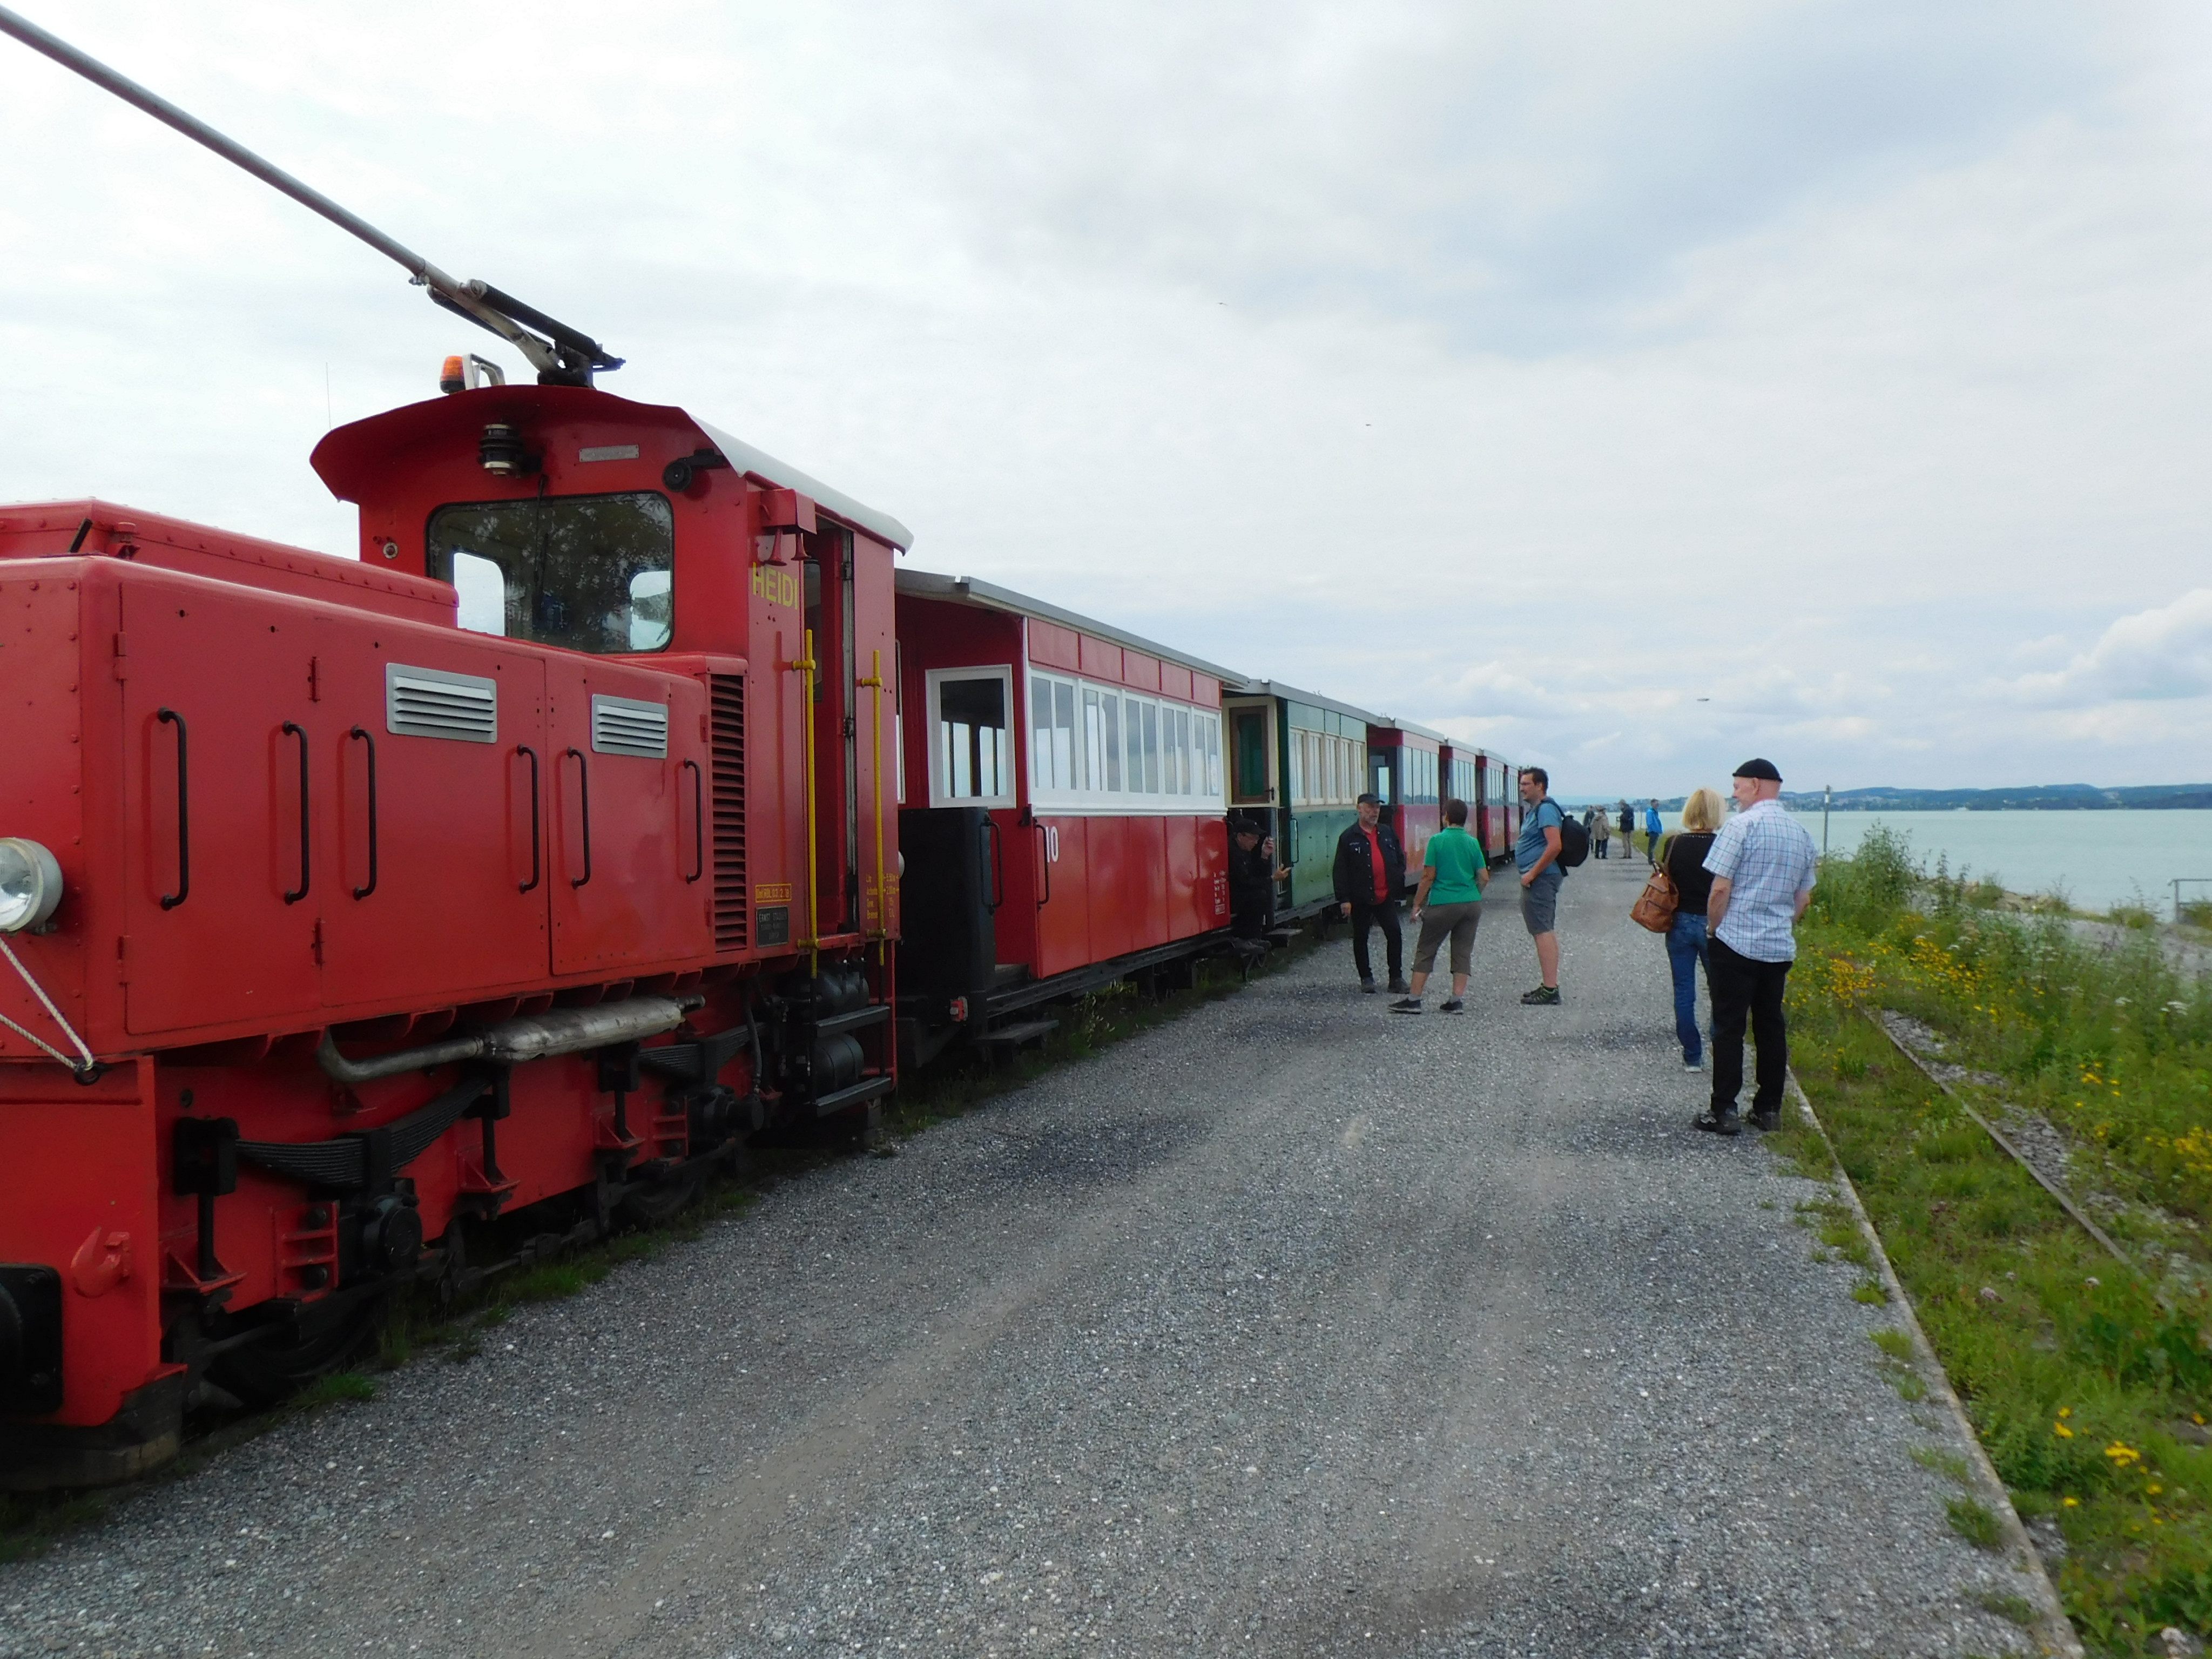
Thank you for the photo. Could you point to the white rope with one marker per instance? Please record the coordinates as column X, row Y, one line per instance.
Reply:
column 80, row 1066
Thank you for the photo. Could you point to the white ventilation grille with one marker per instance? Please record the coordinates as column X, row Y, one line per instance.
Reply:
column 623, row 726
column 429, row 702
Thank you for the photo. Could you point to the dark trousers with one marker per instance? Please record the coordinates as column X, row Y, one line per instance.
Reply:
column 1394, row 942
column 1742, row 988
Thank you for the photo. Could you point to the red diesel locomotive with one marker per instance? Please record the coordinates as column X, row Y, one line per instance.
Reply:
column 355, row 929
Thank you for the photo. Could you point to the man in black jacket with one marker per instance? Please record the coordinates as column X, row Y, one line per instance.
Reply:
column 1253, row 873
column 1370, row 875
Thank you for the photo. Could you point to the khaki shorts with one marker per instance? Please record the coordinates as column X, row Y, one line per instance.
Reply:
column 1459, row 922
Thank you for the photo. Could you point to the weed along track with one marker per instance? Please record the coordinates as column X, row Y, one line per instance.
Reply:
column 2039, row 1191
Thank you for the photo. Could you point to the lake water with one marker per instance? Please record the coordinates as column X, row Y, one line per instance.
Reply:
column 2098, row 858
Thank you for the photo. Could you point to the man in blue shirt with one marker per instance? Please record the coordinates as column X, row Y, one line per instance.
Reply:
column 1535, row 854
column 1763, row 866
column 1654, row 827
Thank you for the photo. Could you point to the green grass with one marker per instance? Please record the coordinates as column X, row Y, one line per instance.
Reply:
column 1973, row 1520
column 2018, row 1608
column 337, row 1388
column 1948, row 1464
column 2079, row 1375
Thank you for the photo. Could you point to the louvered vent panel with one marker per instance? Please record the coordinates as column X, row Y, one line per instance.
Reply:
column 623, row 726
column 429, row 703
column 732, row 913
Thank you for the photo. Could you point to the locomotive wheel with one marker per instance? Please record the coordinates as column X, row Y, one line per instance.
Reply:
column 260, row 1374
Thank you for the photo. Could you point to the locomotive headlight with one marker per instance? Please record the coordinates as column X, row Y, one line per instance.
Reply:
column 30, row 884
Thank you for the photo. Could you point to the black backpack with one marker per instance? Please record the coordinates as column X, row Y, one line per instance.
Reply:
column 1574, row 840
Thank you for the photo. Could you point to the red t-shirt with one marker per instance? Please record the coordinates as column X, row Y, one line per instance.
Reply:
column 1374, row 853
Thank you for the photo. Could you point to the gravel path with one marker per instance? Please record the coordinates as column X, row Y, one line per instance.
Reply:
column 1290, row 1328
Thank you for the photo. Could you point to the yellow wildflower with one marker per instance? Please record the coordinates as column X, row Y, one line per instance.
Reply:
column 2061, row 1431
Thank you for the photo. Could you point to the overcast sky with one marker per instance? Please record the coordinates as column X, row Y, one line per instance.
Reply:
column 1627, row 388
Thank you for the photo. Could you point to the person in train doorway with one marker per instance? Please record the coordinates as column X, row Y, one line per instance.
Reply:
column 1448, row 905
column 1371, row 874
column 1253, row 875
column 1536, row 855
column 1654, row 827
column 1762, row 865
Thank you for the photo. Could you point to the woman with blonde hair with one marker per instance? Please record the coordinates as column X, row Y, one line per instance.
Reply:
column 1684, row 861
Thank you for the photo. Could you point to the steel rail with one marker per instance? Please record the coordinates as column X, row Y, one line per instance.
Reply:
column 2065, row 1200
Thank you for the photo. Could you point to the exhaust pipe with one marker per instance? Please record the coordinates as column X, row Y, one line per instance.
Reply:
column 528, row 1036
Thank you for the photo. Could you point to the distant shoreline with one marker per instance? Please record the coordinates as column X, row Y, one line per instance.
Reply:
column 2051, row 798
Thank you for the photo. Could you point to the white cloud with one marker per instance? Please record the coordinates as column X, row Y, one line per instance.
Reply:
column 2159, row 655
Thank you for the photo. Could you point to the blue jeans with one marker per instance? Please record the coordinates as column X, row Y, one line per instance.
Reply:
column 1685, row 949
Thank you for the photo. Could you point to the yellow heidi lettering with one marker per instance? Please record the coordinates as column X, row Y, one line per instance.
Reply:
column 777, row 586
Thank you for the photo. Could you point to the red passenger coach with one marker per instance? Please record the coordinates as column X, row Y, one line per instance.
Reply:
column 1405, row 767
column 355, row 941
column 1062, row 816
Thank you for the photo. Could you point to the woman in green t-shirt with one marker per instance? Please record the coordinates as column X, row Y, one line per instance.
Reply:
column 1453, row 872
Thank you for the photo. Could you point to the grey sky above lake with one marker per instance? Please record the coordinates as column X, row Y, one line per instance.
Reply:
column 1629, row 388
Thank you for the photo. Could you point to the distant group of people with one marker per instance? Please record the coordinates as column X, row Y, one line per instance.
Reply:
column 1598, row 823
column 1739, row 883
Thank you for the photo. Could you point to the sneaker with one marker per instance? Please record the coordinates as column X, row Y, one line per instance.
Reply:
column 1694, row 1064
column 1399, row 987
column 1455, row 1006
column 1543, row 996
column 1726, row 1123
column 1769, row 1119
column 1407, row 1005
column 1368, row 985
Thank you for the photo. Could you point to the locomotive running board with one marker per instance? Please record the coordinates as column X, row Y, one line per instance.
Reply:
column 867, row 1089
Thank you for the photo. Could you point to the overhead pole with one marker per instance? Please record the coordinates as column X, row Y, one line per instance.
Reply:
column 565, row 356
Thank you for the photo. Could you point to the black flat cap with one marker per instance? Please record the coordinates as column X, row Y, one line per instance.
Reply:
column 1368, row 799
column 1758, row 769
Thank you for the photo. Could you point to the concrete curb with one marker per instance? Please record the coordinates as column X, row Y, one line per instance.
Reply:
column 2053, row 1631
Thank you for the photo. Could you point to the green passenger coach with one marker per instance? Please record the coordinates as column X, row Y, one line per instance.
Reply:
column 1301, row 761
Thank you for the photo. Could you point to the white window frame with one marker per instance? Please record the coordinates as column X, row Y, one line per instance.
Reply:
column 1202, row 794
column 934, row 681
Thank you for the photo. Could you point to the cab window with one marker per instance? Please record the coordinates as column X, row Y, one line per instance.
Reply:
column 589, row 573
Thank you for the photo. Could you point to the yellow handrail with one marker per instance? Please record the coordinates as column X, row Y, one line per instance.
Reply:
column 875, row 682
column 806, row 666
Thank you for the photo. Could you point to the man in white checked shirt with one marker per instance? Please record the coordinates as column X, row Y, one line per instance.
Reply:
column 1762, row 864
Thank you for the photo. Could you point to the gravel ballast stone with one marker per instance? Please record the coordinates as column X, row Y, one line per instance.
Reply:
column 1289, row 1327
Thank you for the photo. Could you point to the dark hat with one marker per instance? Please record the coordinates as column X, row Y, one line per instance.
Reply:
column 1244, row 826
column 1758, row 769
column 1371, row 799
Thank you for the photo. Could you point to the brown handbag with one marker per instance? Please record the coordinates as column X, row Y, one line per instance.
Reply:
column 1656, row 905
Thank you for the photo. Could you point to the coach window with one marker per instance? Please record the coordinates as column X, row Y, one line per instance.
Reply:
column 1052, row 735
column 973, row 756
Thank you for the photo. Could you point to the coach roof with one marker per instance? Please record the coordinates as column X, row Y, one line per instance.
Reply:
column 968, row 590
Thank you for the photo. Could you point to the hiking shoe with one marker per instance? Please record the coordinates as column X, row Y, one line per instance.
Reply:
column 1725, row 1123
column 1690, row 1065
column 1769, row 1119
column 1368, row 985
column 1545, row 996
column 1407, row 1005
column 1399, row 987
column 1455, row 1006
